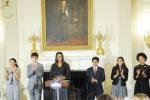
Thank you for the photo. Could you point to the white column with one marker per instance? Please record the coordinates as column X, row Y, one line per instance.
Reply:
column 124, row 35
column 125, row 39
column 1, row 43
column 2, row 56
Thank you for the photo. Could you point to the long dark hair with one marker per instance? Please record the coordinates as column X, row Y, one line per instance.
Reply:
column 123, row 65
column 56, row 61
column 14, row 61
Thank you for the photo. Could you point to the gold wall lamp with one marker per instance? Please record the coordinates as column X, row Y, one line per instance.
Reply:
column 147, row 39
column 33, row 40
column 99, row 43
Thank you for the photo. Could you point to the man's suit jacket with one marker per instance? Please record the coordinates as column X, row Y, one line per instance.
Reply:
column 35, row 78
column 100, row 76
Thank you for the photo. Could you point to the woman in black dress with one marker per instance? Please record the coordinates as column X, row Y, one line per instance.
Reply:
column 60, row 70
column 142, row 75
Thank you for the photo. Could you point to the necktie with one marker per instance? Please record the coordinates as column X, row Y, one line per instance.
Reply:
column 95, row 72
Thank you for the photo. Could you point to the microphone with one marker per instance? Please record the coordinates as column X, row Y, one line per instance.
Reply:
column 12, row 78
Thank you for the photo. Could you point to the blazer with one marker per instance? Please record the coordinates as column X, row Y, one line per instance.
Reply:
column 142, row 83
column 115, row 80
column 100, row 76
column 35, row 78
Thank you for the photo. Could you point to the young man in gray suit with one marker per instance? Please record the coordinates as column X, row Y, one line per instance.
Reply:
column 35, row 72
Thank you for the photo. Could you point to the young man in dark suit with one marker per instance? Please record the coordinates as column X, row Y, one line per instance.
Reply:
column 95, row 77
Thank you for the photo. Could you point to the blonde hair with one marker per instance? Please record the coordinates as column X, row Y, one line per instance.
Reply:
column 105, row 97
column 141, row 96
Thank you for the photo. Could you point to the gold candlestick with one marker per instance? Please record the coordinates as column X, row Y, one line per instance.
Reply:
column 147, row 39
column 34, row 39
column 99, row 39
column 7, row 2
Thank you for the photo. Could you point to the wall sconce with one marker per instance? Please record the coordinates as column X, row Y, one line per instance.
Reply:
column 99, row 40
column 34, row 39
column 147, row 39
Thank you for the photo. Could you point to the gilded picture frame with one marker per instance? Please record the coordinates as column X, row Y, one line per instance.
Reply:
column 64, row 33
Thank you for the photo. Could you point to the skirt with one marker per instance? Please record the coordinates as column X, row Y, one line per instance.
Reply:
column 119, row 90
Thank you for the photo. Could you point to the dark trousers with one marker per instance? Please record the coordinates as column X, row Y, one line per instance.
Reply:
column 94, row 92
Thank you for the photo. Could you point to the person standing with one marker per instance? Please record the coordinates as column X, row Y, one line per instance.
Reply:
column 12, row 75
column 142, row 75
column 60, row 70
column 35, row 72
column 95, row 77
column 119, row 76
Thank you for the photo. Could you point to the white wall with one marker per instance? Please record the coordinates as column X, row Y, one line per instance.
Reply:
column 112, row 17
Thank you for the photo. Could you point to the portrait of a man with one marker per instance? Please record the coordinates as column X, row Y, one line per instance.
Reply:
column 66, row 24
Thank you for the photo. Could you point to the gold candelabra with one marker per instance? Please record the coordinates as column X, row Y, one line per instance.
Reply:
column 147, row 39
column 34, row 39
column 99, row 40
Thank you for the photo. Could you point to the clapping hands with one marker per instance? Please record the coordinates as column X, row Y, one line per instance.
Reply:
column 122, row 72
column 143, row 73
column 138, row 71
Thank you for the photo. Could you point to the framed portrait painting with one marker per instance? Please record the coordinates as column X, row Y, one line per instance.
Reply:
column 66, row 24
